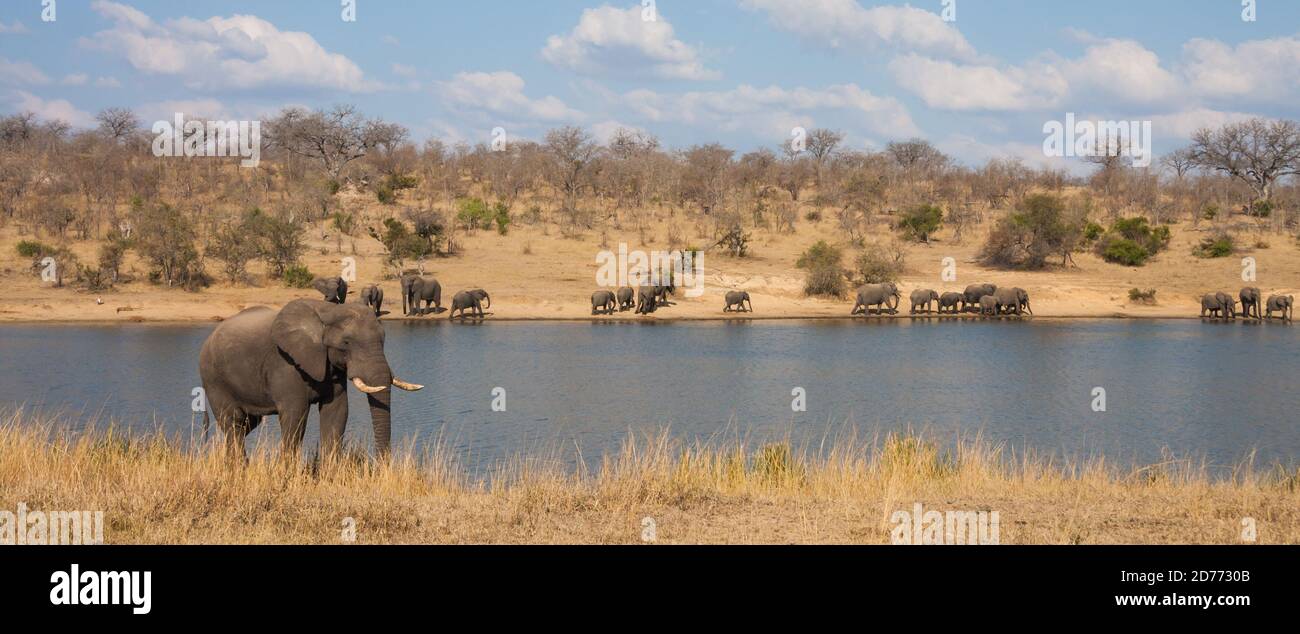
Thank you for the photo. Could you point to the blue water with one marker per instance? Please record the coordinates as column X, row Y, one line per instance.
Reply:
column 1207, row 389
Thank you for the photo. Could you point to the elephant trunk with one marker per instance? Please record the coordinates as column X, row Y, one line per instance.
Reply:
column 381, row 418
column 488, row 300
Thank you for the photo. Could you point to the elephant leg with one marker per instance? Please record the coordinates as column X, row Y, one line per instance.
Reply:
column 293, row 426
column 333, row 423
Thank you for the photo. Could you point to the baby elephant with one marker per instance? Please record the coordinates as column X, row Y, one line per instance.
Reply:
column 922, row 297
column 626, row 298
column 647, row 300
column 335, row 289
column 949, row 302
column 373, row 296
column 738, row 299
column 472, row 300
column 603, row 302
column 988, row 305
column 1282, row 303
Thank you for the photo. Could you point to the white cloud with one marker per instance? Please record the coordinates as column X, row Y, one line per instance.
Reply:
column 206, row 109
column 951, row 86
column 51, row 110
column 1257, row 70
column 107, row 82
column 1182, row 124
column 845, row 24
column 21, row 73
column 605, row 131
column 238, row 52
column 1122, row 71
column 501, row 94
column 16, row 28
column 610, row 41
column 76, row 79
column 404, row 71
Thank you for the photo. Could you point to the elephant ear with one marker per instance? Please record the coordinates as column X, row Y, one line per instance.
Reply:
column 321, row 284
column 299, row 332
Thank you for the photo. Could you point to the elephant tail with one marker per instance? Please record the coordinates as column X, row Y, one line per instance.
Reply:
column 437, row 296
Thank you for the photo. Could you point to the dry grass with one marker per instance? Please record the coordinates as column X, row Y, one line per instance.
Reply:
column 156, row 489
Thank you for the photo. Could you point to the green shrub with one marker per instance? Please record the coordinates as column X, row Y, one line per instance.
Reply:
column 1040, row 228
column 34, row 249
column 298, row 276
column 1262, row 208
column 502, row 218
column 1092, row 231
column 1125, row 251
column 1210, row 212
column 875, row 265
column 1142, row 297
column 920, row 222
column 474, row 213
column 825, row 274
column 385, row 195
column 1217, row 246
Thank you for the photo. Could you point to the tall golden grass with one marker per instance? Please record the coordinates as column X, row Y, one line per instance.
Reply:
column 156, row 488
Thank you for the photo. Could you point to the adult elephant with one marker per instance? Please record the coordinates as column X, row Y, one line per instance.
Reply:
column 335, row 289
column 264, row 361
column 739, row 301
column 647, row 300
column 626, row 298
column 373, row 296
column 1229, row 304
column 1252, row 301
column 1212, row 304
column 974, row 292
column 472, row 300
column 417, row 290
column 877, row 295
column 922, row 297
column 1283, row 303
column 1012, row 300
column 950, row 302
column 603, row 302
column 662, row 292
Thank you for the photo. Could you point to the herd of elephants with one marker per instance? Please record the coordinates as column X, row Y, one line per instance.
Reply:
column 264, row 361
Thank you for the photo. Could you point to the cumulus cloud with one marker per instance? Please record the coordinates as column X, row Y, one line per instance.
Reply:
column 1256, row 70
column 501, row 94
column 611, row 41
column 845, row 24
column 1185, row 123
column 16, row 28
column 21, row 72
column 51, row 110
column 237, row 52
column 948, row 85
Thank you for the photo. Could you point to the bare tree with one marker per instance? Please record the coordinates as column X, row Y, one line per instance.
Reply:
column 1257, row 152
column 572, row 152
column 118, row 124
column 334, row 138
column 1180, row 161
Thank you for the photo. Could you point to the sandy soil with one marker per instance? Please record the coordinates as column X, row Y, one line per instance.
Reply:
column 533, row 273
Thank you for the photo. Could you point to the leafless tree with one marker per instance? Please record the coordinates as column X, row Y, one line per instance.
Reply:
column 1257, row 152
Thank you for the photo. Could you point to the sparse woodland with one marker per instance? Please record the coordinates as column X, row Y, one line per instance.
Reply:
column 332, row 179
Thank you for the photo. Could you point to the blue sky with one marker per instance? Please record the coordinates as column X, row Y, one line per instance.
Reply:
column 743, row 72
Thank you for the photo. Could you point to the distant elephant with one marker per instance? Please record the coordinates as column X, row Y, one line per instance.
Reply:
column 975, row 292
column 1229, row 305
column 1012, row 300
column 1213, row 305
column 603, row 302
column 1283, row 303
column 951, row 301
column 335, row 289
column 738, row 300
column 416, row 289
column 877, row 295
column 647, row 300
column 922, row 297
column 988, row 305
column 373, row 296
column 1251, row 302
column 626, row 298
column 264, row 361
column 662, row 292
column 473, row 300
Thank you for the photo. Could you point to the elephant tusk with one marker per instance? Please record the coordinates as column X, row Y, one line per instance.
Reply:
column 361, row 385
column 409, row 387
